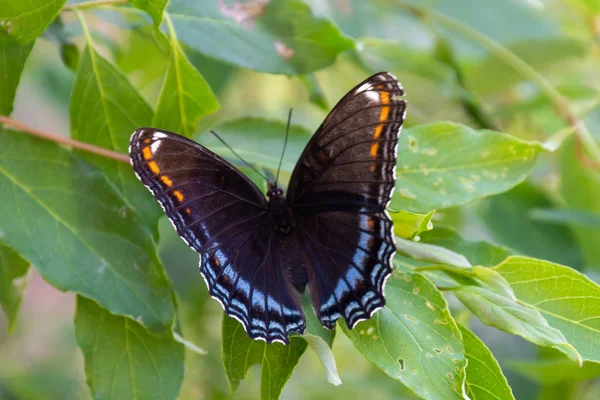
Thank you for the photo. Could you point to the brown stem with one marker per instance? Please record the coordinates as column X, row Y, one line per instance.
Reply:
column 65, row 140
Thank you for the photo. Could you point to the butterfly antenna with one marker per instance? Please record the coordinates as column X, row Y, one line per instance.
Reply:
column 238, row 156
column 287, row 130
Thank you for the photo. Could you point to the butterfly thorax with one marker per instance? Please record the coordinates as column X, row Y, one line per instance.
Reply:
column 280, row 211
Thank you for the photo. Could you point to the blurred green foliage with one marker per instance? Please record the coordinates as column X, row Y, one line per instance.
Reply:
column 501, row 141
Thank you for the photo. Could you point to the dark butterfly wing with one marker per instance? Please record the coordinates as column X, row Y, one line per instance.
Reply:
column 339, row 191
column 222, row 215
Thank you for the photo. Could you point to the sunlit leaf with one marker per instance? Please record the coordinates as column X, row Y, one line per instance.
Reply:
column 414, row 339
column 153, row 7
column 122, row 359
column 281, row 37
column 430, row 252
column 105, row 110
column 484, row 376
column 441, row 165
column 60, row 215
column 276, row 360
column 185, row 96
column 478, row 253
column 567, row 299
column 407, row 225
column 12, row 283
column 12, row 58
column 25, row 20
column 501, row 310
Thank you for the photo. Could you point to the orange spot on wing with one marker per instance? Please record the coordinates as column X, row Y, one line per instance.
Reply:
column 188, row 211
column 166, row 180
column 371, row 223
column 372, row 168
column 178, row 194
column 154, row 167
column 147, row 140
column 384, row 97
column 147, row 152
column 216, row 261
column 374, row 148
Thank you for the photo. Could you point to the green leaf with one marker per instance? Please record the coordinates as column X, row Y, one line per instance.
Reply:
column 414, row 339
column 258, row 141
column 565, row 217
column 508, row 218
column 25, row 20
column 282, row 37
column 320, row 340
column 567, row 299
column 580, row 187
column 60, row 215
column 105, row 110
column 69, row 53
column 12, row 283
column 122, row 359
column 478, row 253
column 12, row 58
column 407, row 225
column 153, row 7
column 495, row 307
column 430, row 252
column 277, row 361
column 185, row 96
column 555, row 371
column 485, row 380
column 441, row 165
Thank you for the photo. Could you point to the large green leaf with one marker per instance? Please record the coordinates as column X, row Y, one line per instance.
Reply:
column 12, row 271
column 496, row 305
column 25, row 20
column 567, row 299
column 258, row 141
column 508, row 217
column 12, row 58
column 153, row 7
column 59, row 214
column 278, row 37
column 478, row 253
column 485, row 380
column 277, row 361
column 442, row 165
column 105, row 110
column 555, row 370
column 185, row 96
column 414, row 339
column 123, row 360
column 580, row 187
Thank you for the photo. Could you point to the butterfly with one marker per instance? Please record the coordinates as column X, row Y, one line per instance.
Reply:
column 330, row 232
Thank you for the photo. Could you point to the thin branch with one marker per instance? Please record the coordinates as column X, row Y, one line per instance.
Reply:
column 65, row 140
column 560, row 102
column 92, row 4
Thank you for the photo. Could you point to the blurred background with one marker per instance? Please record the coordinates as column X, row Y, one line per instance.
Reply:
column 448, row 75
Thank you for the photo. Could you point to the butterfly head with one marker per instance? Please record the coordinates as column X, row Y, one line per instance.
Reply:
column 274, row 191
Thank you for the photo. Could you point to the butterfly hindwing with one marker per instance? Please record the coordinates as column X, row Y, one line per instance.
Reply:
column 339, row 191
column 222, row 215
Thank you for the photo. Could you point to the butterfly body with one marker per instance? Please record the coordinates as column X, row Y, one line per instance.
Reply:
column 330, row 233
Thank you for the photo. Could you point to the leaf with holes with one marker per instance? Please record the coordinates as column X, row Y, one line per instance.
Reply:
column 442, row 165
column 60, row 215
column 485, row 380
column 25, row 20
column 105, row 110
column 277, row 361
column 281, row 37
column 122, row 359
column 414, row 339
column 185, row 96
column 567, row 299
column 12, row 283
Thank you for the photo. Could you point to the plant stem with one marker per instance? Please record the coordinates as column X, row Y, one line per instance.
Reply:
column 92, row 4
column 65, row 140
column 560, row 102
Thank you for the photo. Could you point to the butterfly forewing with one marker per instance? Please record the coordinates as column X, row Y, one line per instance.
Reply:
column 222, row 215
column 339, row 190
